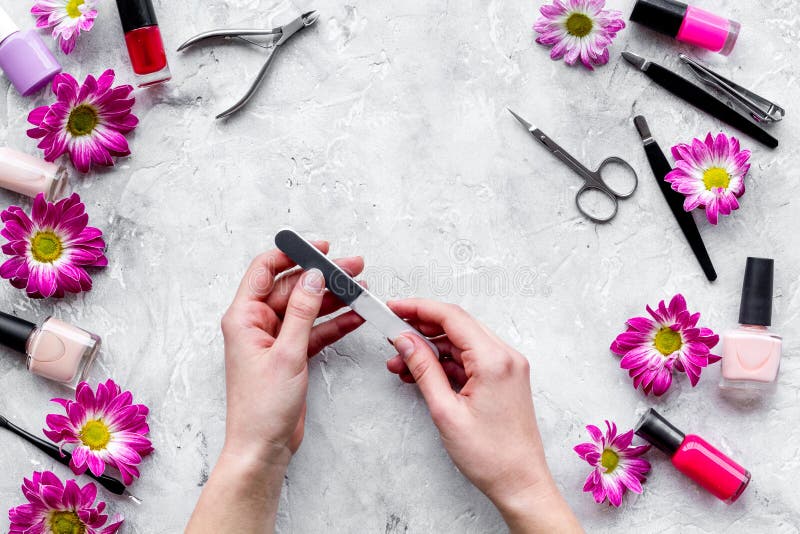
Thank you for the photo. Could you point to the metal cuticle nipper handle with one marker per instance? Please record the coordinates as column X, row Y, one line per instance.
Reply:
column 278, row 37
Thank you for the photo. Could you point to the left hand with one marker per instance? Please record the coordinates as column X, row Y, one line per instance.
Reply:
column 269, row 335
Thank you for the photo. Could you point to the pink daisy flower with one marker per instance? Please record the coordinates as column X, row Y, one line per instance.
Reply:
column 578, row 29
column 55, row 507
column 618, row 466
column 711, row 174
column 52, row 248
column 669, row 340
column 89, row 121
column 67, row 18
column 106, row 428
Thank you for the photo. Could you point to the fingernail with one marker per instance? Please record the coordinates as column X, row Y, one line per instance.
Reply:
column 404, row 346
column 313, row 281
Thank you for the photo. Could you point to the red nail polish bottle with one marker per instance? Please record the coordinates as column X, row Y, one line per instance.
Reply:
column 695, row 457
column 143, row 38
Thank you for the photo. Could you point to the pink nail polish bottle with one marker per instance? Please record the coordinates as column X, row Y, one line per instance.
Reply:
column 751, row 354
column 24, row 58
column 688, row 24
column 27, row 175
column 56, row 350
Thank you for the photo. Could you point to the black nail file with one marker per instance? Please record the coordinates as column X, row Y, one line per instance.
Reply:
column 345, row 288
column 661, row 167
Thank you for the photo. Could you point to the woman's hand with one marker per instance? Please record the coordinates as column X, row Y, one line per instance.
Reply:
column 269, row 335
column 489, row 426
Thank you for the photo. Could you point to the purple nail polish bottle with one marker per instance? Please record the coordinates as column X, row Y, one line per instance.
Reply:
column 24, row 58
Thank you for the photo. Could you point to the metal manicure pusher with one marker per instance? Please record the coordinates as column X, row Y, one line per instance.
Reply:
column 761, row 109
column 276, row 37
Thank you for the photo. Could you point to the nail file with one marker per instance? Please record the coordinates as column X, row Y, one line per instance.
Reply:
column 341, row 284
column 661, row 167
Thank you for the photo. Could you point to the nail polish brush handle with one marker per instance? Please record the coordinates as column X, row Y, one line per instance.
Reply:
column 111, row 484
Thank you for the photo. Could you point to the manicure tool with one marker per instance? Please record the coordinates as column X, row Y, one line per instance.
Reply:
column 278, row 36
column 761, row 109
column 593, row 180
column 699, row 97
column 63, row 457
column 345, row 288
column 661, row 167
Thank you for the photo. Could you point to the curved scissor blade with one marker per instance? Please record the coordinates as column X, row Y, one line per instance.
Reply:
column 522, row 121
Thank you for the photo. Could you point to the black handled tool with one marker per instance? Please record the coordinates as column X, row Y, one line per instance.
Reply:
column 63, row 457
column 661, row 167
column 699, row 97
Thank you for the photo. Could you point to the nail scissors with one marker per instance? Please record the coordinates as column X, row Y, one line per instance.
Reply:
column 278, row 36
column 593, row 180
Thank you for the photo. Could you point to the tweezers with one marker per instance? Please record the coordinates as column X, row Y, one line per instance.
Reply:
column 759, row 107
column 701, row 98
column 278, row 36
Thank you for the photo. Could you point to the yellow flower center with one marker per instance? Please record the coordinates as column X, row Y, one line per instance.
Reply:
column 668, row 341
column 579, row 25
column 95, row 435
column 609, row 460
column 66, row 522
column 82, row 120
column 716, row 177
column 46, row 246
column 73, row 8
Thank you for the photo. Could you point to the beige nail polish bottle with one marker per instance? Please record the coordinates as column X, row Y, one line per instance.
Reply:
column 751, row 354
column 56, row 350
column 29, row 176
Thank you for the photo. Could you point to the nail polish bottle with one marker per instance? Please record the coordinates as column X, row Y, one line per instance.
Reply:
column 751, row 354
column 695, row 457
column 24, row 58
column 28, row 175
column 55, row 350
column 687, row 24
column 143, row 39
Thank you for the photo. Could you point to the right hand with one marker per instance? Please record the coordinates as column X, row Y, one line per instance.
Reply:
column 489, row 426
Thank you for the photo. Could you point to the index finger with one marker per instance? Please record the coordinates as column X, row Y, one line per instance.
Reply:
column 460, row 327
column 259, row 279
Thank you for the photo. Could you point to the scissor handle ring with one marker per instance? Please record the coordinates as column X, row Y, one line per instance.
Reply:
column 607, row 191
column 622, row 162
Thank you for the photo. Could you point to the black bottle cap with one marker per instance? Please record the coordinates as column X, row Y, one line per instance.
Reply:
column 659, row 432
column 136, row 14
column 756, row 305
column 14, row 332
column 663, row 16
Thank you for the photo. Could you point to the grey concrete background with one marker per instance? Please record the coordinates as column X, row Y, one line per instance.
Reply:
column 384, row 129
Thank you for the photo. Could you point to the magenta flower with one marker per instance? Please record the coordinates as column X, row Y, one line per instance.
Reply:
column 578, row 29
column 89, row 121
column 106, row 428
column 67, row 18
column 52, row 248
column 55, row 507
column 651, row 348
column 711, row 174
column 618, row 466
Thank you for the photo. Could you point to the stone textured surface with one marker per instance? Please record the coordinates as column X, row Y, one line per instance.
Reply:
column 384, row 129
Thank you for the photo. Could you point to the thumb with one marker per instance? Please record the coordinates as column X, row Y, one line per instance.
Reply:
column 301, row 312
column 427, row 372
